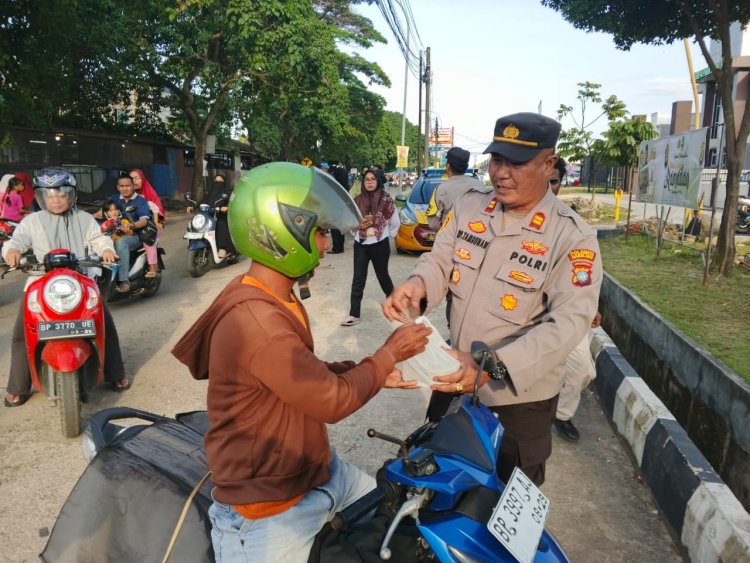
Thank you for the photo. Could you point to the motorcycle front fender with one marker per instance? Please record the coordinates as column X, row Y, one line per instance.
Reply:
column 66, row 355
column 197, row 244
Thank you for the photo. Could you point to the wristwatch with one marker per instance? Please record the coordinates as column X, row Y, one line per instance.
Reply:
column 500, row 372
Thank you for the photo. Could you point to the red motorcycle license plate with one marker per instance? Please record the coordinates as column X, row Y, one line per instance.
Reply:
column 65, row 329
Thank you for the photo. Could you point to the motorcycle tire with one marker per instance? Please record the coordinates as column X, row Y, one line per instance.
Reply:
column 151, row 286
column 67, row 389
column 743, row 229
column 199, row 261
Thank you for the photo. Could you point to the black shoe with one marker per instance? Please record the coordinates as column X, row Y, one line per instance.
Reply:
column 304, row 291
column 566, row 429
column 335, row 252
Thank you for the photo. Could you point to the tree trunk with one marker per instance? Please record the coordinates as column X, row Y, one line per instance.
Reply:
column 725, row 243
column 197, row 184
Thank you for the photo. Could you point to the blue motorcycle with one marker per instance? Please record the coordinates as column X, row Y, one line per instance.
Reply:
column 203, row 253
column 439, row 500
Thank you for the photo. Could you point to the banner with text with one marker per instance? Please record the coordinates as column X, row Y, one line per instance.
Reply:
column 402, row 157
column 670, row 168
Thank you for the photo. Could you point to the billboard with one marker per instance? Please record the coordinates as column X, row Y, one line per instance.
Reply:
column 670, row 169
column 444, row 137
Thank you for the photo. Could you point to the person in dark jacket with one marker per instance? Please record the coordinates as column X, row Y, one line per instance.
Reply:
column 277, row 480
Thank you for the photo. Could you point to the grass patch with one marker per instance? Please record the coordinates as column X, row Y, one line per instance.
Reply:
column 715, row 315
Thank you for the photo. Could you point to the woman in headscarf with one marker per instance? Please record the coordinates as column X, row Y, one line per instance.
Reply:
column 27, row 195
column 218, row 196
column 372, row 240
column 4, row 190
column 144, row 188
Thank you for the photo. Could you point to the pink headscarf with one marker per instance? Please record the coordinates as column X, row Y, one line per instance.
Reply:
column 148, row 191
column 28, row 194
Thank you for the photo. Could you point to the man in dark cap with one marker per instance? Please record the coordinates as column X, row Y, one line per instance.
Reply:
column 524, row 270
column 457, row 184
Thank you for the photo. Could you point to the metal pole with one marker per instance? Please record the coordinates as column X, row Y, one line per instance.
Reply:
column 427, row 81
column 403, row 113
column 419, row 119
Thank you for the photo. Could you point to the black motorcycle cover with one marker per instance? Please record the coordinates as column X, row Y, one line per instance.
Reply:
column 126, row 504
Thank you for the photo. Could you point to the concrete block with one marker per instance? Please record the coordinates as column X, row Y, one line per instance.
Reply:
column 716, row 526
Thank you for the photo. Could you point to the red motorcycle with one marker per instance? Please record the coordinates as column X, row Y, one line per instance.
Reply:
column 6, row 231
column 64, row 330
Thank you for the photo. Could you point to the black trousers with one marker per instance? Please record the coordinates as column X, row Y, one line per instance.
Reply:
column 223, row 238
column 19, row 380
column 527, row 437
column 379, row 254
column 337, row 241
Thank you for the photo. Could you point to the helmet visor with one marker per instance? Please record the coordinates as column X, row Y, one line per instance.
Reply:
column 56, row 200
column 331, row 203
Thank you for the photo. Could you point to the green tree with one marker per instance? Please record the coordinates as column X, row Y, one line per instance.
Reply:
column 658, row 23
column 619, row 146
column 575, row 143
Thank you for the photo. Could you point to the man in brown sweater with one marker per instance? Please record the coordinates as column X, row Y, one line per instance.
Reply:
column 276, row 479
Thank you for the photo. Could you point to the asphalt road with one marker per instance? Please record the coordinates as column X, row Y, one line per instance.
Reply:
column 600, row 509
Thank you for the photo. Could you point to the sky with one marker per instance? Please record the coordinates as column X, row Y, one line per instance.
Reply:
column 492, row 58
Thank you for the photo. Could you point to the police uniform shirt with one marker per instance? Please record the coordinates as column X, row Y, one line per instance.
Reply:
column 529, row 290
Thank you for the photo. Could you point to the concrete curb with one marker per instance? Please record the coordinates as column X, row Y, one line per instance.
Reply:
column 699, row 507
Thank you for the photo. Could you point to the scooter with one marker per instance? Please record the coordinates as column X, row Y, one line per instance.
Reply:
column 742, row 223
column 439, row 500
column 6, row 233
column 64, row 332
column 140, row 285
column 200, row 233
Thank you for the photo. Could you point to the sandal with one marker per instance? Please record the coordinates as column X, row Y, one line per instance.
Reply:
column 124, row 287
column 123, row 385
column 20, row 400
column 151, row 274
column 350, row 321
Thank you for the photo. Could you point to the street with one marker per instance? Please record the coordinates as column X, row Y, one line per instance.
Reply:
column 600, row 509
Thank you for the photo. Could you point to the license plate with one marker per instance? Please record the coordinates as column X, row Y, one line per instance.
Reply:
column 193, row 235
column 518, row 519
column 65, row 329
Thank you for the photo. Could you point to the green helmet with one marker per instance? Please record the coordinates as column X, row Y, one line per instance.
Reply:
column 276, row 208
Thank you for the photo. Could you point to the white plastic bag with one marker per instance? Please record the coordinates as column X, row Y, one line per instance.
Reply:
column 432, row 362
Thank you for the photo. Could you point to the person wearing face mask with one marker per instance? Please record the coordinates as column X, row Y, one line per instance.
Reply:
column 59, row 224
column 218, row 196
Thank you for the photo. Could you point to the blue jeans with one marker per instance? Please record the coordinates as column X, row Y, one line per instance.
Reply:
column 123, row 247
column 288, row 536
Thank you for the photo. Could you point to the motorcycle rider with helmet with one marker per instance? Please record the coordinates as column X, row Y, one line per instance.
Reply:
column 276, row 479
column 59, row 224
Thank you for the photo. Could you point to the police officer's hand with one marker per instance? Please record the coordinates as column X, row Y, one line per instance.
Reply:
column 597, row 320
column 461, row 381
column 395, row 380
column 109, row 257
column 13, row 257
column 404, row 300
column 407, row 341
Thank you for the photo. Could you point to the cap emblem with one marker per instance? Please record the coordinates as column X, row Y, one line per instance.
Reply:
column 511, row 132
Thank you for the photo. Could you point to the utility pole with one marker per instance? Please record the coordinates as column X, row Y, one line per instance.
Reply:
column 419, row 119
column 427, row 81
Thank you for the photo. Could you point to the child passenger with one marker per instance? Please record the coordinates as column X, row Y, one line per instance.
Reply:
column 113, row 224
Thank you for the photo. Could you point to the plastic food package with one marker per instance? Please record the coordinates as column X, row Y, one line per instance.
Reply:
column 432, row 362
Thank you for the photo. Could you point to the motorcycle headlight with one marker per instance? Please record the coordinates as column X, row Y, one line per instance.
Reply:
column 62, row 294
column 405, row 219
column 198, row 221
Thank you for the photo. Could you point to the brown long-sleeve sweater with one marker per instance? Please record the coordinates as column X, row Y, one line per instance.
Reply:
column 269, row 396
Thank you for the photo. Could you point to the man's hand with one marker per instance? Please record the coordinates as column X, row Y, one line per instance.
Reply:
column 463, row 380
column 597, row 320
column 395, row 380
column 13, row 257
column 404, row 300
column 109, row 257
column 407, row 341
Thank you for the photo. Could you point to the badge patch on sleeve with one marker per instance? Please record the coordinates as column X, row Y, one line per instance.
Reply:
column 537, row 220
column 478, row 226
column 582, row 273
column 508, row 302
column 534, row 247
column 581, row 254
column 446, row 221
column 455, row 276
column 463, row 254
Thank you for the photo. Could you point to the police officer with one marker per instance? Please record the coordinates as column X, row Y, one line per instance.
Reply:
column 525, row 273
column 456, row 185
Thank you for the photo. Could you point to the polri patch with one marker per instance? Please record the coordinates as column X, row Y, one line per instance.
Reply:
column 581, row 254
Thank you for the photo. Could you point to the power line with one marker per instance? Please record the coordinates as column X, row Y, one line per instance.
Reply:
column 409, row 49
